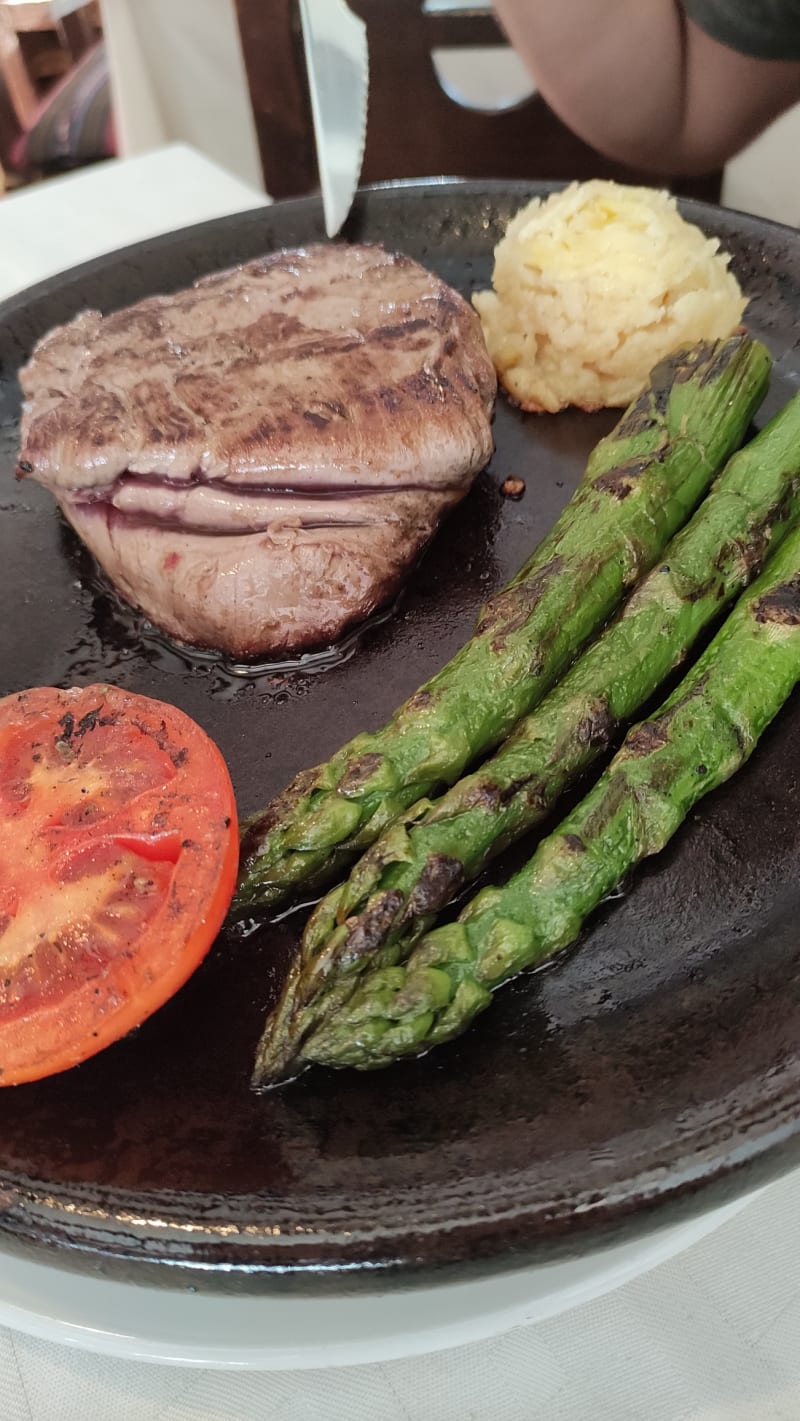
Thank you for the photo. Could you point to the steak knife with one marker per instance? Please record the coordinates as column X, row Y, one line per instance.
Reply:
column 337, row 61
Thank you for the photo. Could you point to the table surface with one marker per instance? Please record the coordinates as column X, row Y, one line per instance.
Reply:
column 712, row 1335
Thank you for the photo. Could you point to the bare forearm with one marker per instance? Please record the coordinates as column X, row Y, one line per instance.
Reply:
column 641, row 82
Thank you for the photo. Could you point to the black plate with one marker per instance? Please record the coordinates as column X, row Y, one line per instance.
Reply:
column 652, row 1072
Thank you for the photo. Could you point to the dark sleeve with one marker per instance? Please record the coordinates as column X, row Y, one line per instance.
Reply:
column 765, row 29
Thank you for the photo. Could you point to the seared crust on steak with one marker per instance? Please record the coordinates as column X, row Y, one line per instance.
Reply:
column 301, row 422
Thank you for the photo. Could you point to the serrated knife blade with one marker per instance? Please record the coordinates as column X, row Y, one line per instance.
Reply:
column 337, row 61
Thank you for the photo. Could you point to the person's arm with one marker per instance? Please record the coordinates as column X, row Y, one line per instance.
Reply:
column 643, row 83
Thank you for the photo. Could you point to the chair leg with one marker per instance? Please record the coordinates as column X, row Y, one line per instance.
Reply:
column 18, row 83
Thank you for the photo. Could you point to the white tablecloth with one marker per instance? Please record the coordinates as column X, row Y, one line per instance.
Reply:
column 58, row 224
column 713, row 1335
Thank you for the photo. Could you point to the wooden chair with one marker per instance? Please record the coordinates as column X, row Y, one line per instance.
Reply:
column 51, row 36
column 18, row 86
column 69, row 126
column 51, row 126
column 414, row 129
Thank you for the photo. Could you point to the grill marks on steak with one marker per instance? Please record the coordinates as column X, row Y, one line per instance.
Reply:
column 300, row 423
column 240, row 375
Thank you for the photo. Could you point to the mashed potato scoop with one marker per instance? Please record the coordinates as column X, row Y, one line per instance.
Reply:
column 592, row 287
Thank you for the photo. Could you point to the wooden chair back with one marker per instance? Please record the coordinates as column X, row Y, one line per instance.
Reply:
column 415, row 129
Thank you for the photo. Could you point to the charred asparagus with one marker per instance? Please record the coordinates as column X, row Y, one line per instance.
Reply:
column 419, row 864
column 640, row 485
column 702, row 734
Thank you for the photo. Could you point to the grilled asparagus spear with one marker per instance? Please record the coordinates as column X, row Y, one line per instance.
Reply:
column 640, row 485
column 701, row 735
column 419, row 864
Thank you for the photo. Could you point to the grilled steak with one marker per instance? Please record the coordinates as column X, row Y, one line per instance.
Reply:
column 256, row 461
